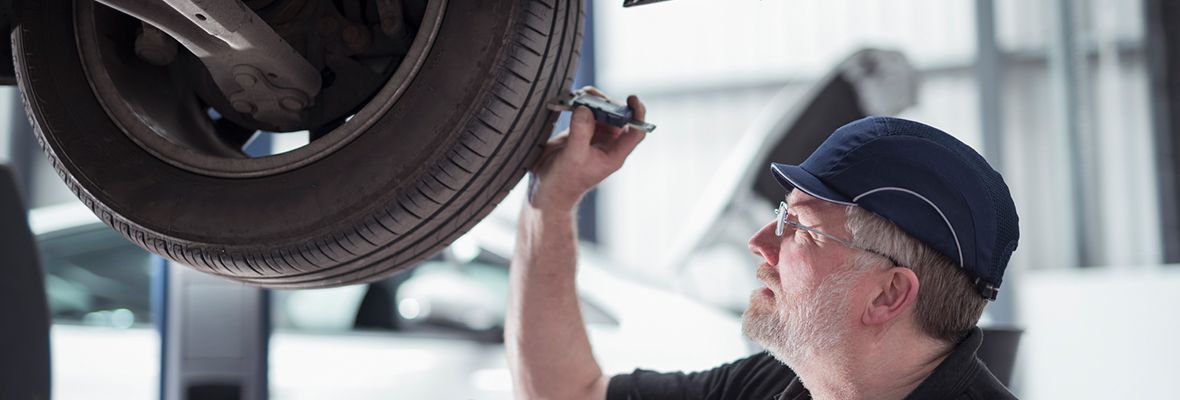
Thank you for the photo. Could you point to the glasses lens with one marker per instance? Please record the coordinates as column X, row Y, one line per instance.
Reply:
column 780, row 217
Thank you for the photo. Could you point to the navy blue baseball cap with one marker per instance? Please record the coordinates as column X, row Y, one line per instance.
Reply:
column 931, row 185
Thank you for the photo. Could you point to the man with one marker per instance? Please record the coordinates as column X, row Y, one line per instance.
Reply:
column 877, row 266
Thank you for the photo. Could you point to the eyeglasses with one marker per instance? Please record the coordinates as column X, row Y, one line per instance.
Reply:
column 782, row 221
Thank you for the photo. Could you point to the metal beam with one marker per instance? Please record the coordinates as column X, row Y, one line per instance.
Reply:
column 1163, row 54
column 989, row 77
column 990, row 80
column 1066, row 74
column 1009, row 61
column 22, row 148
column 214, row 337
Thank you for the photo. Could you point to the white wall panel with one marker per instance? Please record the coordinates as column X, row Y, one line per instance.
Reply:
column 8, row 98
column 692, row 41
column 646, row 205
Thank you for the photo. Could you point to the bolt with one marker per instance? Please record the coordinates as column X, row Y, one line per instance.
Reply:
column 291, row 104
column 245, row 80
column 244, row 107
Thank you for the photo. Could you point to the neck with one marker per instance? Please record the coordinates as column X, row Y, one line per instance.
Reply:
column 886, row 367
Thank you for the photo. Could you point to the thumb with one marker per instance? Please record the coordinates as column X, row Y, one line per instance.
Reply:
column 581, row 127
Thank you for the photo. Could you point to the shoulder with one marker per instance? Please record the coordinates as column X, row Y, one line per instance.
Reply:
column 760, row 364
column 985, row 386
column 756, row 376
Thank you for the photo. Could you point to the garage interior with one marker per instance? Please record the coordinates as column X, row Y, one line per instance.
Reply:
column 1077, row 103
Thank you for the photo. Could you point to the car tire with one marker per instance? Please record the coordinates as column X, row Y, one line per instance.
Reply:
column 437, row 161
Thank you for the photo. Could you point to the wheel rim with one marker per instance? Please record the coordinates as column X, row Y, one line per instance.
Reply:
column 161, row 110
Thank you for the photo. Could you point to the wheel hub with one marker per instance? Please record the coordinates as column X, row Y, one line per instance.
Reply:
column 185, row 118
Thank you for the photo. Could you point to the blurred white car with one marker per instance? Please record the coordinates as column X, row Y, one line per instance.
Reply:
column 432, row 333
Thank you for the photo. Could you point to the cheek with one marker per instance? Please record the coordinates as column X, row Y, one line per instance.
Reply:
column 795, row 283
column 796, row 269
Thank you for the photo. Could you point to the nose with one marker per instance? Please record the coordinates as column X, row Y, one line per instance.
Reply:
column 764, row 244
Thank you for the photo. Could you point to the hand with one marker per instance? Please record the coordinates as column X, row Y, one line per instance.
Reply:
column 580, row 158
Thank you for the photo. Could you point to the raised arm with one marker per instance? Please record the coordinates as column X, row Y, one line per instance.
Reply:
column 548, row 351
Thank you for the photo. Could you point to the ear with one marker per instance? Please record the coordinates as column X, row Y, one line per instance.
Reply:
column 896, row 292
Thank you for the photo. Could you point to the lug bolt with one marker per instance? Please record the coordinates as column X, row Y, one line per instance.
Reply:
column 291, row 104
column 244, row 107
column 245, row 80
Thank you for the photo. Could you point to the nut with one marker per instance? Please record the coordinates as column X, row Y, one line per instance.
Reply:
column 245, row 80
column 244, row 107
column 291, row 104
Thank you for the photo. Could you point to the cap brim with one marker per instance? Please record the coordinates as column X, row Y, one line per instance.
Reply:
column 794, row 176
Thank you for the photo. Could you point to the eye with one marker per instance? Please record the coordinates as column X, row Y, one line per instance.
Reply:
column 802, row 235
column 815, row 237
column 808, row 236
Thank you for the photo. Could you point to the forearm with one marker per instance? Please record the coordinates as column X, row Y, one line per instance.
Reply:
column 548, row 350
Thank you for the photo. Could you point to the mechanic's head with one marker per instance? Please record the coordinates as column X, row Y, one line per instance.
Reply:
column 890, row 227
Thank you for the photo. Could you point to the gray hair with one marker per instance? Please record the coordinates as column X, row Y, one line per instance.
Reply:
column 948, row 306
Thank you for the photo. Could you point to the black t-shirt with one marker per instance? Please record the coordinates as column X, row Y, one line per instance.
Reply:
column 960, row 376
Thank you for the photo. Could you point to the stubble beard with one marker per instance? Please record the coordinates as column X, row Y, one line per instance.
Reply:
column 797, row 329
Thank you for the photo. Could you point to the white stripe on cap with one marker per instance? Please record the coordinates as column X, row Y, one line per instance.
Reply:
column 796, row 184
column 931, row 203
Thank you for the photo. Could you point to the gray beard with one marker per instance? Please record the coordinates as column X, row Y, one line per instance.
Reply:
column 798, row 331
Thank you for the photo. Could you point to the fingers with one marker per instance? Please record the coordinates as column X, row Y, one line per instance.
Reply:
column 616, row 143
column 632, row 101
column 605, row 133
column 637, row 107
column 626, row 143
